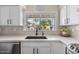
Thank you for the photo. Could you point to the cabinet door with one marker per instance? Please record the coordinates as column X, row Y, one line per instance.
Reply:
column 57, row 48
column 68, row 14
column 63, row 15
column 35, row 50
column 27, row 50
column 4, row 15
column 35, row 47
column 14, row 15
column 43, row 50
column 74, row 14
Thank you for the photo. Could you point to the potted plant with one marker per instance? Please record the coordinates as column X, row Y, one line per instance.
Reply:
column 65, row 31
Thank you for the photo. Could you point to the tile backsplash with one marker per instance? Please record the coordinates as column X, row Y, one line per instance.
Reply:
column 11, row 30
column 75, row 31
column 19, row 30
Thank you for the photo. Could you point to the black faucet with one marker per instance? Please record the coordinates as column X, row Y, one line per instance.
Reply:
column 36, row 32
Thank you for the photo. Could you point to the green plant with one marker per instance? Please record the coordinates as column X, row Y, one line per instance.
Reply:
column 36, row 20
column 49, row 22
column 43, row 22
column 64, row 29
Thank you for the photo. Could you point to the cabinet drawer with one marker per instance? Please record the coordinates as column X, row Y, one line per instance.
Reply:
column 35, row 44
column 38, row 50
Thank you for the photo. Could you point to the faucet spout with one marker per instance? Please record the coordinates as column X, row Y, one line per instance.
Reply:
column 37, row 32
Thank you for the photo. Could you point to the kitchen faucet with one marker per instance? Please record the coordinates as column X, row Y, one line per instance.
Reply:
column 37, row 32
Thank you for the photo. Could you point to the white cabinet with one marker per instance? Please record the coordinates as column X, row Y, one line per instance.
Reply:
column 43, row 47
column 57, row 47
column 35, row 48
column 43, row 50
column 10, row 15
column 4, row 18
column 64, row 15
column 74, row 14
column 27, row 50
column 14, row 15
column 69, row 15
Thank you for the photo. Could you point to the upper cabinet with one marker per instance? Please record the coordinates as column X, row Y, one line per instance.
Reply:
column 69, row 15
column 74, row 14
column 64, row 15
column 11, row 15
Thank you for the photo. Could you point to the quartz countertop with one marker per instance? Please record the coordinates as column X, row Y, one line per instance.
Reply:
column 14, row 38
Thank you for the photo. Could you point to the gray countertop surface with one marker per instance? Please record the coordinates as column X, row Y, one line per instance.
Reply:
column 17, row 38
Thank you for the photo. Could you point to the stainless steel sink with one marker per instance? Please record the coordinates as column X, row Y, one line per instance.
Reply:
column 36, row 37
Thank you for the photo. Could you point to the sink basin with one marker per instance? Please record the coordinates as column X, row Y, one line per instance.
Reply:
column 35, row 37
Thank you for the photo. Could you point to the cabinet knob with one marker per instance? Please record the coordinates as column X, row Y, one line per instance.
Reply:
column 33, row 51
column 37, row 51
column 10, row 21
column 7, row 21
column 67, row 21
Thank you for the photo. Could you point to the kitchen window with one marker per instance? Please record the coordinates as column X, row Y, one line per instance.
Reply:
column 44, row 23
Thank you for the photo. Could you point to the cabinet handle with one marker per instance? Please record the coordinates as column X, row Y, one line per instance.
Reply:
column 37, row 51
column 33, row 51
column 7, row 21
column 67, row 21
column 10, row 21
